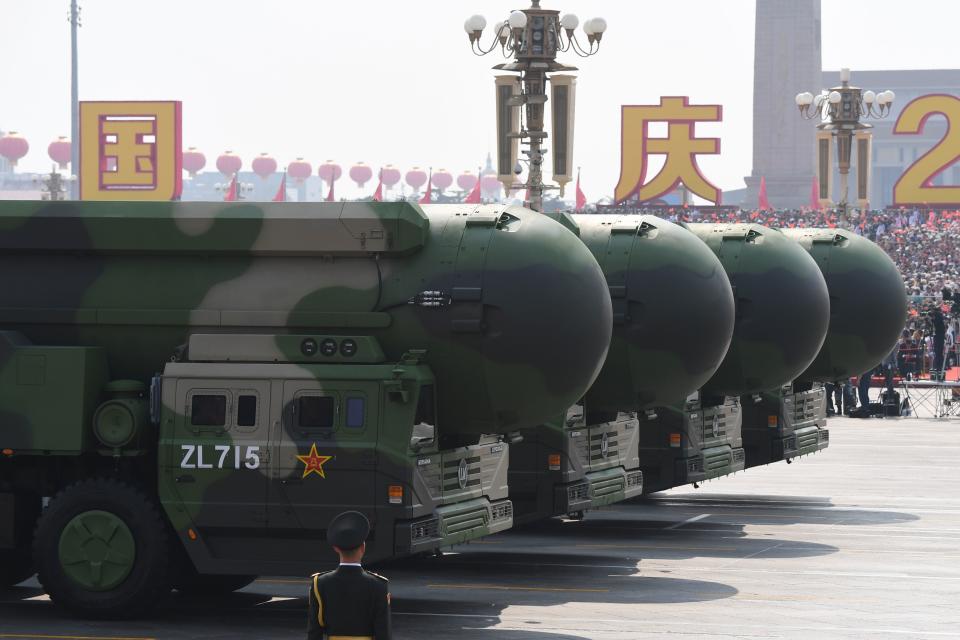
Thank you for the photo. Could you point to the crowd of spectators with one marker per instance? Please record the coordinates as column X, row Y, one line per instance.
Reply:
column 925, row 245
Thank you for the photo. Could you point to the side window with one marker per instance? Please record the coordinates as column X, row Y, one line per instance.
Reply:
column 246, row 409
column 425, row 406
column 315, row 412
column 424, row 423
column 356, row 412
column 208, row 410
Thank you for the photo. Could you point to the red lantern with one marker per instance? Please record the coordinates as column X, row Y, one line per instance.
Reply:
column 360, row 173
column 490, row 185
column 390, row 175
column 264, row 166
column 442, row 179
column 13, row 147
column 229, row 164
column 416, row 178
column 329, row 171
column 59, row 151
column 193, row 161
column 299, row 170
column 467, row 181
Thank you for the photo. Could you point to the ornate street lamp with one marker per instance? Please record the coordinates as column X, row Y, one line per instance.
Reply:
column 532, row 38
column 839, row 111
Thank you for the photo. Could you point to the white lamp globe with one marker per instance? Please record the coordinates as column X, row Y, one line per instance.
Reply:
column 869, row 96
column 569, row 21
column 891, row 96
column 518, row 19
column 599, row 25
column 474, row 23
column 588, row 27
column 835, row 97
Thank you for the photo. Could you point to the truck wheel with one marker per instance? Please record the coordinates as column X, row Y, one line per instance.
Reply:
column 198, row 585
column 101, row 550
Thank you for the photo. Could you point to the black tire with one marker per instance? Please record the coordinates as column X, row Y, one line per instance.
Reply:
column 148, row 579
column 206, row 585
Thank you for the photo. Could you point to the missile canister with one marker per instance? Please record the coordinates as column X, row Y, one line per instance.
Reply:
column 782, row 307
column 868, row 302
column 673, row 310
column 513, row 311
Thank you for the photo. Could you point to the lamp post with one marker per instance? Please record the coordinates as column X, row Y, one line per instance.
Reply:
column 839, row 111
column 532, row 38
column 74, row 20
column 52, row 186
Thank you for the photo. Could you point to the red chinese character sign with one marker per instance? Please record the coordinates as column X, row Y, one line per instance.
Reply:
column 680, row 148
column 916, row 186
column 130, row 150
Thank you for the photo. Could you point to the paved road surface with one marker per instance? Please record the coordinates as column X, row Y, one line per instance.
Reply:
column 859, row 541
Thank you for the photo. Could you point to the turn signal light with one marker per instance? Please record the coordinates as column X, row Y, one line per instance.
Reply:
column 772, row 422
column 395, row 493
column 8, row 452
column 553, row 461
column 191, row 534
column 674, row 439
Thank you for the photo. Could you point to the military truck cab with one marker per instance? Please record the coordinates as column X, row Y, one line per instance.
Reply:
column 697, row 441
column 264, row 439
column 576, row 463
column 244, row 448
column 785, row 423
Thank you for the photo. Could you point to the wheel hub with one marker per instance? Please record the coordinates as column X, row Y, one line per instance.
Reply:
column 97, row 550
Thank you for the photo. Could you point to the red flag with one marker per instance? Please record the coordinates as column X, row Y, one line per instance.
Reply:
column 282, row 191
column 378, row 194
column 581, row 199
column 815, row 194
column 232, row 190
column 762, row 201
column 474, row 196
column 330, row 193
column 426, row 196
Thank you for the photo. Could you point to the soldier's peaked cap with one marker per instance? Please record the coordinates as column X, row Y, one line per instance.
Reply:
column 348, row 530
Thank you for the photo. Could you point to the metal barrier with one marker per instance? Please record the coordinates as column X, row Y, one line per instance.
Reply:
column 939, row 399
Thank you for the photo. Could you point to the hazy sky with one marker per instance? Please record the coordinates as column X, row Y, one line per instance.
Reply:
column 395, row 82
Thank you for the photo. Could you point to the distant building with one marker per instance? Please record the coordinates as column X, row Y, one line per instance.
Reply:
column 786, row 62
column 893, row 154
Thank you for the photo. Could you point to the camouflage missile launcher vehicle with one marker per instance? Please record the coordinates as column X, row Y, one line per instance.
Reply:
column 782, row 314
column 868, row 307
column 197, row 389
column 672, row 323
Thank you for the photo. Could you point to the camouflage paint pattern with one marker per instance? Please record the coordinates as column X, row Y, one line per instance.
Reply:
column 868, row 302
column 673, row 311
column 474, row 286
column 782, row 307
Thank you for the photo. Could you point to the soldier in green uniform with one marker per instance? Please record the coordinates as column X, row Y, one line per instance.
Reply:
column 350, row 602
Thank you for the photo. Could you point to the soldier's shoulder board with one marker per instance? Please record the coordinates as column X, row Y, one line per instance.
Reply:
column 378, row 576
column 320, row 574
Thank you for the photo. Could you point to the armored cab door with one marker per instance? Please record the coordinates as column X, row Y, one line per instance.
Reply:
column 218, row 455
column 326, row 456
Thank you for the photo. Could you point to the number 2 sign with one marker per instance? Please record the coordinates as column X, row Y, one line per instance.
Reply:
column 914, row 186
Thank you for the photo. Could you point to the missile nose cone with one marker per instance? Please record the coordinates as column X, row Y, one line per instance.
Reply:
column 551, row 345
column 673, row 310
column 868, row 302
column 782, row 308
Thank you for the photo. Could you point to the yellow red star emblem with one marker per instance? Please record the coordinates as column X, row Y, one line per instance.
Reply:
column 313, row 462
